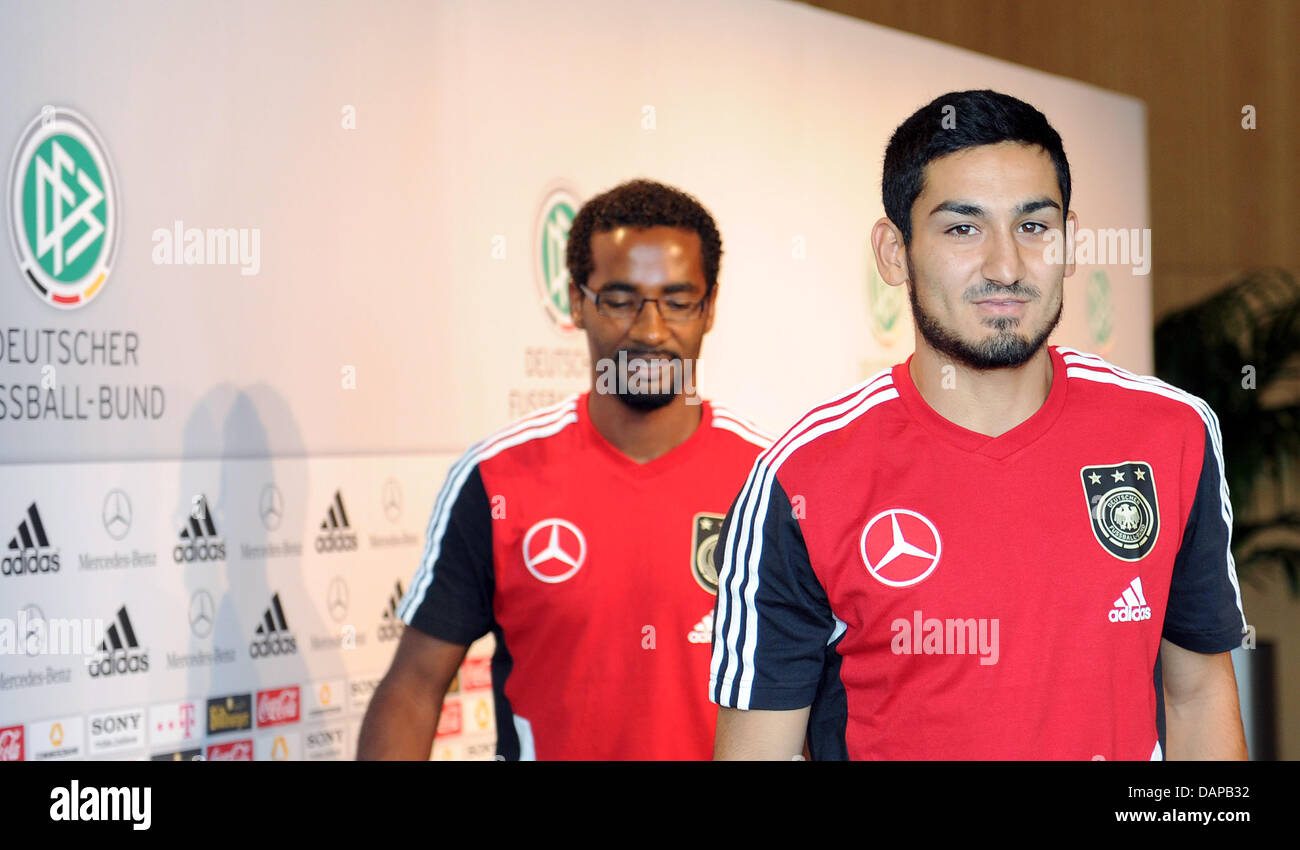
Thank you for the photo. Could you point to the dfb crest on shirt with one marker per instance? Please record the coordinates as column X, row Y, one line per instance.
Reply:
column 704, row 539
column 1122, row 505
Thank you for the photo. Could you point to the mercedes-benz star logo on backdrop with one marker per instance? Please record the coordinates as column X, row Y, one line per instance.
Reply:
column 392, row 500
column 900, row 547
column 117, row 514
column 202, row 613
column 32, row 641
column 336, row 599
column 554, row 550
column 270, row 507
column 63, row 208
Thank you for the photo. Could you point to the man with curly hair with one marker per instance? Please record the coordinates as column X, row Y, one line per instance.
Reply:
column 581, row 536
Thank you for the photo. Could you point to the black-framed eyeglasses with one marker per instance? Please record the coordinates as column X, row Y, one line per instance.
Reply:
column 622, row 304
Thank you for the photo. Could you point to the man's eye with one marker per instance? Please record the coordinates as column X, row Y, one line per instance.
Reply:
column 1034, row 227
column 962, row 229
column 620, row 302
column 680, row 304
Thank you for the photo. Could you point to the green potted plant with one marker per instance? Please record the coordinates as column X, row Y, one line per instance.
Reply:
column 1239, row 349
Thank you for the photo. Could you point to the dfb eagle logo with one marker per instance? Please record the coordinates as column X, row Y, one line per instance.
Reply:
column 1122, row 507
column 1126, row 517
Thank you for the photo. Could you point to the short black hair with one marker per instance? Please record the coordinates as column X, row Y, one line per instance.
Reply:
column 641, row 204
column 976, row 117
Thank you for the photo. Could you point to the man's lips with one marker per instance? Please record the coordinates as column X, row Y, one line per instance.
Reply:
column 650, row 355
column 1001, row 305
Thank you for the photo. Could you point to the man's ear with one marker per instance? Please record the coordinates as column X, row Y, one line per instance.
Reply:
column 1071, row 228
column 710, row 302
column 575, row 304
column 891, row 253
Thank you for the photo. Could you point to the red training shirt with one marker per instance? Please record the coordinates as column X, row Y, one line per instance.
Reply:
column 595, row 574
column 936, row 593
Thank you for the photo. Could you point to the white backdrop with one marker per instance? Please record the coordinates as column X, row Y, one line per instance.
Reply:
column 394, row 162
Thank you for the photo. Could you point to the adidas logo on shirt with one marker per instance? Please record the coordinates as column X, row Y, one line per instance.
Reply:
column 703, row 631
column 1131, row 605
column 391, row 625
column 199, row 540
column 29, row 550
column 120, row 651
column 272, row 636
column 336, row 534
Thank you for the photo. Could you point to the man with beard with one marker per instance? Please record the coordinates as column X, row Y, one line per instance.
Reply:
column 1004, row 550
column 581, row 536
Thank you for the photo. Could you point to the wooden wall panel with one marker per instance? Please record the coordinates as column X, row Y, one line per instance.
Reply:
column 1223, row 198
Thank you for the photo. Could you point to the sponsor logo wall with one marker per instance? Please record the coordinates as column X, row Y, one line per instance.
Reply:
column 258, row 654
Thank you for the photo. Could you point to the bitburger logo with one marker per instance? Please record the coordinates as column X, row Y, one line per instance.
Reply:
column 336, row 534
column 120, row 653
column 230, row 713
column 199, row 539
column 29, row 549
column 272, row 636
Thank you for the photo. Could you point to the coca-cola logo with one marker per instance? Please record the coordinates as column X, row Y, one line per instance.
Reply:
column 234, row 751
column 279, row 706
column 449, row 721
column 11, row 744
column 476, row 673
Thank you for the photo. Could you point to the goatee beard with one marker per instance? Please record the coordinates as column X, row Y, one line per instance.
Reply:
column 645, row 402
column 635, row 394
column 1006, row 349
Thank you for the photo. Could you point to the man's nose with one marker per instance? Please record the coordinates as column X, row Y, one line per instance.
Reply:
column 1003, row 263
column 648, row 325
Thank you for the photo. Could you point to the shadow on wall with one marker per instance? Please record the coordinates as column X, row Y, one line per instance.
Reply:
column 253, row 513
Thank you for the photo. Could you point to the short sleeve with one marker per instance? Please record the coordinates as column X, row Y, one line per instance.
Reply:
column 772, row 620
column 1204, row 612
column 450, row 596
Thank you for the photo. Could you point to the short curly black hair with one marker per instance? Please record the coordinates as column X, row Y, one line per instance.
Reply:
column 639, row 204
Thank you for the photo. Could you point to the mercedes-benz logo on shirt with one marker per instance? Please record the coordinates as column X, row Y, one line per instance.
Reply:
column 336, row 599
column 554, row 550
column 270, row 507
column 202, row 612
column 392, row 500
column 117, row 514
column 900, row 547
